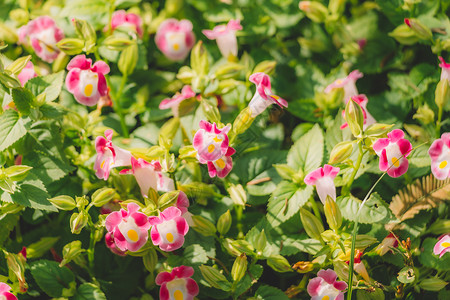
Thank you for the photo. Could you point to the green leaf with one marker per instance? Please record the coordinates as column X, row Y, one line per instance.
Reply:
column 247, row 281
column 50, row 85
column 89, row 291
column 39, row 248
column 406, row 275
column 23, row 99
column 306, row 154
column 7, row 224
column 375, row 210
column 195, row 254
column 266, row 292
column 294, row 244
column 11, row 128
column 286, row 201
column 429, row 259
column 52, row 279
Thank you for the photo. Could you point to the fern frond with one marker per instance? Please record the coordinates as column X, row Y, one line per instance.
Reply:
column 425, row 193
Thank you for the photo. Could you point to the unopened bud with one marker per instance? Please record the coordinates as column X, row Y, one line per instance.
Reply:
column 336, row 7
column 239, row 267
column 314, row 10
column 7, row 34
column 71, row 46
column 116, row 43
column 63, row 202
column 215, row 278
column 238, row 194
column 70, row 252
column 81, row 202
column 303, row 266
column 60, row 62
column 279, row 263
column 433, row 284
column 230, row 248
column 103, row 196
column 203, row 226
column 17, row 172
column 354, row 117
column 224, row 223
column 128, row 59
column 261, row 241
column 187, row 152
column 419, row 29
column 78, row 221
column 199, row 59
column 16, row 264
column 243, row 121
column 442, row 94
column 378, row 129
column 404, row 35
column 266, row 66
column 332, row 213
column 168, row 131
column 168, row 199
column 150, row 259
column 312, row 225
column 342, row 270
column 341, row 152
column 243, row 246
column 16, row 66
column 211, row 111
column 21, row 16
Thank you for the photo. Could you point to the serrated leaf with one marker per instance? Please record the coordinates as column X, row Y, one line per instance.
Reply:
column 195, row 254
column 375, row 210
column 51, row 278
column 306, row 154
column 266, row 292
column 295, row 244
column 51, row 85
column 23, row 99
column 11, row 128
column 286, row 201
column 89, row 291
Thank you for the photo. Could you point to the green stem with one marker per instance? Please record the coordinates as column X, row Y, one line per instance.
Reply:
column 91, row 249
column 239, row 210
column 172, row 175
column 112, row 8
column 346, row 188
column 315, row 208
column 438, row 123
column 118, row 106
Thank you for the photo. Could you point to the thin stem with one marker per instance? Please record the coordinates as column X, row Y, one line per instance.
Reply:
column 315, row 208
column 91, row 249
column 239, row 210
column 346, row 188
column 172, row 175
column 438, row 123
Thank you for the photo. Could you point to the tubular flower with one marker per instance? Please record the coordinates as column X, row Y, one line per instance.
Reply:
column 323, row 178
column 129, row 228
column 86, row 81
column 222, row 166
column 359, row 266
column 325, row 286
column 5, row 292
column 148, row 175
column 109, row 156
column 168, row 229
column 440, row 157
column 263, row 97
column 42, row 34
column 120, row 19
column 175, row 38
column 175, row 101
column 177, row 284
column 225, row 35
column 387, row 244
column 362, row 101
column 442, row 246
column 393, row 151
column 347, row 83
column 210, row 142
column 26, row 74
column 445, row 74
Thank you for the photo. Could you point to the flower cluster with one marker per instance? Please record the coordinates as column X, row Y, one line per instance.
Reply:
column 127, row 21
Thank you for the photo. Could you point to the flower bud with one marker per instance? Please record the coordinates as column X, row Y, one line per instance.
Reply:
column 150, row 259
column 229, row 246
column 432, row 284
column 199, row 59
column 228, row 70
column 243, row 121
column 224, row 223
column 303, row 267
column 71, row 46
column 9, row 81
column 332, row 213
column 243, row 246
column 81, row 202
column 336, row 7
column 203, row 226
column 442, row 94
column 63, row 202
column 70, row 252
column 215, row 278
column 378, row 129
column 128, row 59
column 16, row 66
column 116, row 43
column 404, row 35
column 341, row 152
column 185, row 74
column 421, row 31
column 16, row 265
column 261, row 241
column 168, row 199
column 237, row 194
column 103, row 196
column 424, row 114
column 59, row 63
column 312, row 225
column 7, row 34
column 168, row 131
column 21, row 16
column 354, row 117
column 17, row 172
column 187, row 152
column 78, row 221
column 279, row 263
column 239, row 267
column 266, row 66
column 210, row 111
column 314, row 10
column 342, row 270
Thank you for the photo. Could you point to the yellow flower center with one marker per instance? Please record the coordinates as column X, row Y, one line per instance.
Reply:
column 217, row 140
column 443, row 164
column 49, row 49
column 220, row 163
column 275, row 97
column 178, row 295
column 88, row 89
column 102, row 164
column 326, row 297
column 133, row 235
column 169, row 237
column 445, row 244
column 211, row 148
column 176, row 47
column 395, row 162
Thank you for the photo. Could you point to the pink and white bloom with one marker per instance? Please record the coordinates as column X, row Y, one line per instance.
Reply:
column 387, row 244
column 43, row 35
column 168, row 229
column 440, row 157
column 109, row 156
column 222, row 166
column 175, row 101
column 109, row 241
column 5, row 293
column 393, row 151
column 210, row 142
column 325, row 286
column 445, row 74
column 182, row 204
column 129, row 227
column 175, row 38
column 86, row 81
column 362, row 101
column 225, row 36
column 148, row 175
column 442, row 246
column 128, row 21
column 348, row 84
column 263, row 97
column 26, row 74
column 177, row 284
column 323, row 179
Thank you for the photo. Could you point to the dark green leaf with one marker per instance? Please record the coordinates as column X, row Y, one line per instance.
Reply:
column 89, row 291
column 266, row 292
column 23, row 99
column 11, row 128
column 52, row 279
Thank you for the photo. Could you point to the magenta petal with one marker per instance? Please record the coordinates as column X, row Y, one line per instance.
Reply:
column 404, row 146
column 102, row 85
column 132, row 208
column 100, row 67
column 72, row 80
column 113, row 220
column 183, row 271
column 400, row 170
column 380, row 144
column 314, row 286
column 396, row 135
column 436, row 149
column 163, row 277
column 383, row 164
column 154, row 235
column 182, row 225
column 154, row 220
column 192, row 287
column 340, row 285
column 140, row 219
column 170, row 213
column 9, row 296
column 164, row 293
column 444, row 251
column 4, row 287
column 328, row 275
column 340, row 297
column 80, row 62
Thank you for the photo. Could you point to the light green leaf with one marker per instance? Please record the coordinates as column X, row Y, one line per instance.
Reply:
column 52, row 279
column 247, row 281
column 50, row 85
column 11, row 128
column 89, row 291
column 266, row 292
column 195, row 254
column 306, row 154
column 299, row 243
column 375, row 210
column 23, row 99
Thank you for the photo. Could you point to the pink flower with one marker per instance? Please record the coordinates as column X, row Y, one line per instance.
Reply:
column 263, row 97
column 43, row 35
column 177, row 284
column 26, row 74
column 175, row 101
column 387, row 244
column 120, row 19
column 440, row 157
column 225, row 35
column 182, row 204
column 445, row 74
column 175, row 38
column 129, row 228
column 359, row 266
column 86, row 81
column 109, row 241
column 442, row 246
column 323, row 178
column 347, row 83
column 109, row 156
column 393, row 151
column 168, row 229
column 148, row 175
column 222, row 166
column 362, row 101
column 210, row 142
column 325, row 286
column 6, row 295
